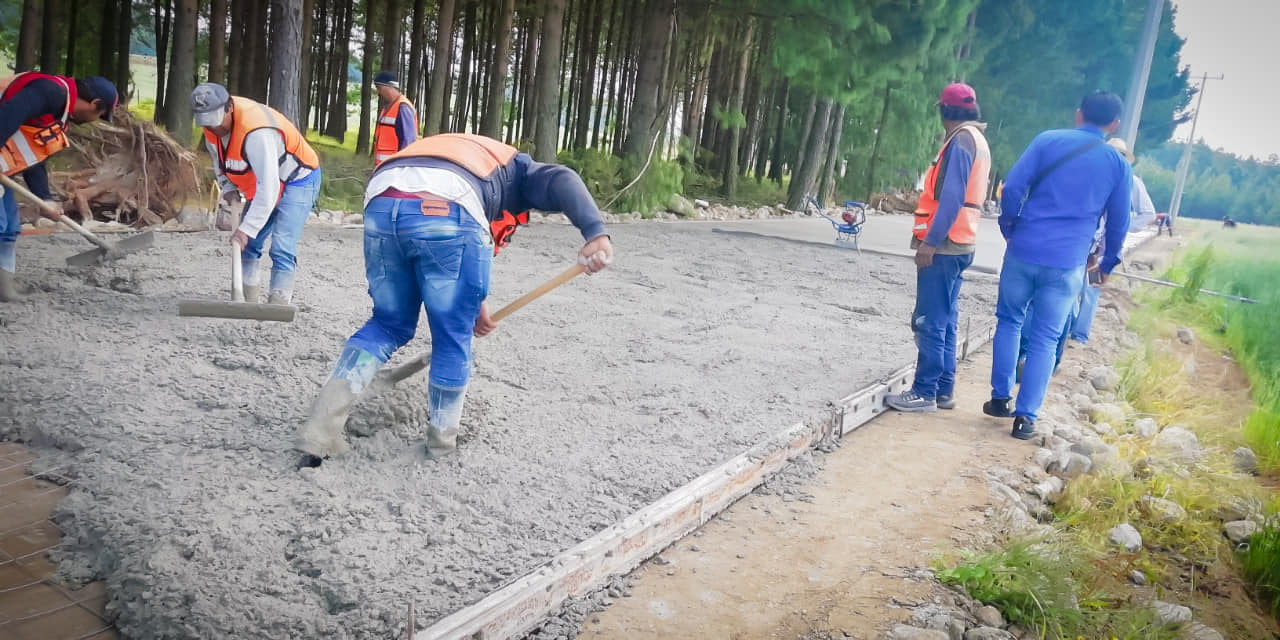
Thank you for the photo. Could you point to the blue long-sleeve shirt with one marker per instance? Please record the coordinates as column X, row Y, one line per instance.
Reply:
column 956, row 164
column 406, row 132
column 1058, row 221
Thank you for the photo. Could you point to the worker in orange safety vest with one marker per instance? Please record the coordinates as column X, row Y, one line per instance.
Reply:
column 398, row 123
column 35, row 111
column 944, row 237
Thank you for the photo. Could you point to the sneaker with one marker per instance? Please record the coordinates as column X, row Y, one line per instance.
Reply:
column 945, row 402
column 1024, row 428
column 911, row 402
column 998, row 408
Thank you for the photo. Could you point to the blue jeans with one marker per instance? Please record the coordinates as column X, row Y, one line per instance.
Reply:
column 414, row 260
column 1034, row 300
column 284, row 226
column 935, row 321
column 1084, row 318
column 10, row 227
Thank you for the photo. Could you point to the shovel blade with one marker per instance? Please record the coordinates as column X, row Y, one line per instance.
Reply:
column 131, row 244
column 237, row 310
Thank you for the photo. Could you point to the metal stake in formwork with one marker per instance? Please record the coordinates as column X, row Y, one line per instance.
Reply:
column 964, row 350
column 409, row 628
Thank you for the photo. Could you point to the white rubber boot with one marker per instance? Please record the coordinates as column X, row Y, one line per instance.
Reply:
column 444, row 412
column 323, row 435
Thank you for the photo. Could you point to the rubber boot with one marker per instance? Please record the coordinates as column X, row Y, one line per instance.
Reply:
column 323, row 434
column 249, row 270
column 281, row 287
column 444, row 413
column 8, row 287
column 8, row 264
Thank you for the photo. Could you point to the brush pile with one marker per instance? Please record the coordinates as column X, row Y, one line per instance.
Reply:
column 129, row 171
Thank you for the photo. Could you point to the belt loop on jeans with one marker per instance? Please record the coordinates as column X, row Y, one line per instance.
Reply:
column 395, row 209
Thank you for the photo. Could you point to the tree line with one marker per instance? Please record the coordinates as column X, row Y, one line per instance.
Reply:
column 644, row 97
column 1219, row 184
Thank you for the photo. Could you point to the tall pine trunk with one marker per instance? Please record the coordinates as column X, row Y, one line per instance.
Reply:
column 775, row 163
column 51, row 35
column 336, row 123
column 828, row 182
column 646, row 113
column 182, row 70
column 237, row 46
column 547, row 114
column 307, row 16
column 529, row 109
column 28, row 37
column 729, row 178
column 392, row 32
column 124, row 39
column 440, row 72
column 286, row 59
column 417, row 36
column 218, row 41
column 366, row 77
column 260, row 74
column 586, row 88
column 163, row 20
column 875, row 146
column 462, row 97
column 810, row 163
column 107, row 48
column 491, row 123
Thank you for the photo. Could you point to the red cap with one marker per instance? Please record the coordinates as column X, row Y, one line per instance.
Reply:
column 958, row 94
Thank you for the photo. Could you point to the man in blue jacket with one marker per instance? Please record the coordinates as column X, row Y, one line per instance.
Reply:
column 1054, row 196
column 435, row 214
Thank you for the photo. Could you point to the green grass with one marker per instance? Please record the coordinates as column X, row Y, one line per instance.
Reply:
column 1261, row 565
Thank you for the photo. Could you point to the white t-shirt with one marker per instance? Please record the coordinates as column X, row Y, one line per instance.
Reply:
column 438, row 182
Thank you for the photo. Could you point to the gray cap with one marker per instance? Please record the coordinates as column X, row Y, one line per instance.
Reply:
column 209, row 101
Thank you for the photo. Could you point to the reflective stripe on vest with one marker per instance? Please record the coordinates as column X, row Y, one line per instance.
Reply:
column 965, row 228
column 385, row 140
column 39, row 138
column 248, row 116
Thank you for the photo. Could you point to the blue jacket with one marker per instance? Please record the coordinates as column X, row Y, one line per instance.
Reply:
column 1055, row 226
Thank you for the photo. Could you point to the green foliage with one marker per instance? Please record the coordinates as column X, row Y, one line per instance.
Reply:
column 1261, row 565
column 1218, row 183
column 1197, row 272
column 1040, row 587
column 600, row 170
column 653, row 190
column 729, row 118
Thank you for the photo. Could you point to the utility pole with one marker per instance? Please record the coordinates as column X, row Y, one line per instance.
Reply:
column 1141, row 71
column 1184, row 164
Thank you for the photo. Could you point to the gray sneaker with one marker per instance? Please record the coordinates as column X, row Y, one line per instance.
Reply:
column 946, row 402
column 910, row 402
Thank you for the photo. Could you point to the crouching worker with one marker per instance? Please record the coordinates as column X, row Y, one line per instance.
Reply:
column 435, row 214
column 259, row 154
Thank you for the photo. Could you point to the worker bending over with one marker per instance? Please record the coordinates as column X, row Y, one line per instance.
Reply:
column 259, row 154
column 35, row 109
column 398, row 124
column 435, row 215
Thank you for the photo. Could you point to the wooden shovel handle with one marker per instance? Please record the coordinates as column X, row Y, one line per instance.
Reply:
column 565, row 276
column 62, row 217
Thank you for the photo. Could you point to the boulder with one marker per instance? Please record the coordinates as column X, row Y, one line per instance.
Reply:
column 1070, row 464
column 1245, row 460
column 1137, row 577
column 1107, row 412
column 1043, row 457
column 1161, row 510
column 701, row 204
column 1186, row 335
column 1104, row 378
column 1168, row 613
column 195, row 218
column 1068, row 432
column 1178, row 443
column 1102, row 428
column 905, row 632
column 353, row 218
column 1126, row 537
column 1239, row 531
column 1108, row 463
column 1089, row 445
column 680, row 206
column 989, row 616
column 1197, row 631
column 1049, row 491
column 1145, row 427
column 988, row 633
column 1239, row 508
column 761, row 213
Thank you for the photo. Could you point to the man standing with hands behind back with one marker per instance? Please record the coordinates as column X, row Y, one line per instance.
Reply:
column 1053, row 198
column 944, row 237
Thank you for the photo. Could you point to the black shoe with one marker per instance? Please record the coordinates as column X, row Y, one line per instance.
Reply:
column 945, row 402
column 1024, row 428
column 997, row 408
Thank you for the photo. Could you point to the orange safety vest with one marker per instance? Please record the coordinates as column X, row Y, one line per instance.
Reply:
column 965, row 228
column 385, row 140
column 248, row 116
column 39, row 138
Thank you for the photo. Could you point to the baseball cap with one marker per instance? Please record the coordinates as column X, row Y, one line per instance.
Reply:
column 1119, row 145
column 958, row 94
column 100, row 88
column 388, row 78
column 209, row 102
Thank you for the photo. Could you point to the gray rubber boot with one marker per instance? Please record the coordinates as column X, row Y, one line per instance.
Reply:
column 444, row 411
column 252, row 290
column 281, row 288
column 323, row 435
column 9, row 287
column 252, row 293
